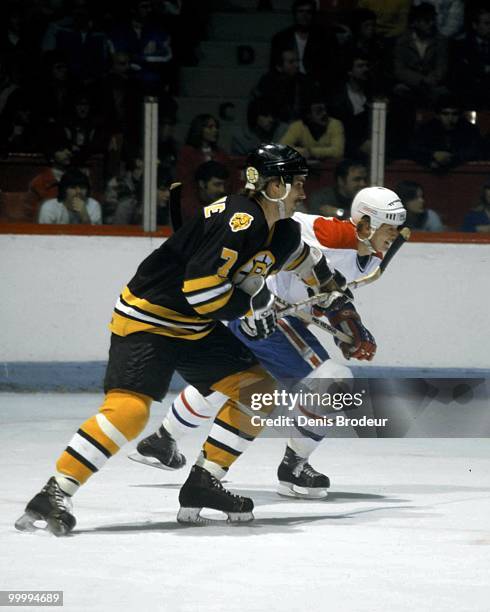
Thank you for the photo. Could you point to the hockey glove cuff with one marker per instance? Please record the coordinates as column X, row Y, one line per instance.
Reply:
column 263, row 321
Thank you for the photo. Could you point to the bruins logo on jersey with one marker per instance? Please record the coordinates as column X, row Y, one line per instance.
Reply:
column 240, row 221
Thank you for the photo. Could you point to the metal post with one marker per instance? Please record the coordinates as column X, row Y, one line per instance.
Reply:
column 150, row 163
column 378, row 142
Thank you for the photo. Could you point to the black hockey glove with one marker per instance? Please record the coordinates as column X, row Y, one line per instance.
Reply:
column 328, row 279
column 263, row 321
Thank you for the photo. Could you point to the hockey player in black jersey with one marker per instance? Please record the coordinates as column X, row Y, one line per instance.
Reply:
column 169, row 318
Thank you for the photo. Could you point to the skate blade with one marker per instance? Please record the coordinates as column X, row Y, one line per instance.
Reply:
column 286, row 489
column 151, row 461
column 27, row 523
column 192, row 516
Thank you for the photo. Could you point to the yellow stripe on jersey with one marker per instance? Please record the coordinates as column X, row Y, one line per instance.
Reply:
column 206, row 282
column 215, row 304
column 160, row 311
column 299, row 260
column 124, row 326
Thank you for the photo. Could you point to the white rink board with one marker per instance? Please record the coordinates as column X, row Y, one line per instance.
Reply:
column 430, row 309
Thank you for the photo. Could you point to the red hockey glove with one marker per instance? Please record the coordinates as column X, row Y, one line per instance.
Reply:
column 348, row 321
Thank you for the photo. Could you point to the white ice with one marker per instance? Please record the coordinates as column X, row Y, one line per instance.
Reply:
column 406, row 526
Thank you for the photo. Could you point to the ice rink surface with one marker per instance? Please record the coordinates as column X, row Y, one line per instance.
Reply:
column 406, row 526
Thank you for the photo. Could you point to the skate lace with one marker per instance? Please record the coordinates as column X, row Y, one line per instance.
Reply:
column 217, row 484
column 309, row 471
column 62, row 501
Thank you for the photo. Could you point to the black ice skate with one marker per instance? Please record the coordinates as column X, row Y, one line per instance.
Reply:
column 159, row 450
column 52, row 507
column 298, row 479
column 203, row 490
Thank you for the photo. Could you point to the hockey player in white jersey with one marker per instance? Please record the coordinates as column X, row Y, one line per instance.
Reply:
column 354, row 247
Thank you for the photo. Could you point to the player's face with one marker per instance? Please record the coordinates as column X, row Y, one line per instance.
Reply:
column 383, row 237
column 296, row 195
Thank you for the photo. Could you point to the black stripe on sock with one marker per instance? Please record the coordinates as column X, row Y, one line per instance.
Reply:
column 80, row 458
column 94, row 442
column 233, row 430
column 308, row 434
column 222, row 446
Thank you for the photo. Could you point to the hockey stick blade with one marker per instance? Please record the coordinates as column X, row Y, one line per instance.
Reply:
column 175, row 209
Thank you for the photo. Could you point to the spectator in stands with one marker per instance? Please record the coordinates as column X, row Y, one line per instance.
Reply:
column 124, row 195
column 316, row 136
column 85, row 49
column 350, row 104
column 201, row 145
column 315, row 46
column 148, row 46
column 420, row 58
column 450, row 16
column 350, row 177
column 478, row 219
column 44, row 186
column 20, row 135
column 448, row 139
column 83, row 129
column 10, row 91
column 119, row 101
column 73, row 204
column 366, row 42
column 418, row 216
column 284, row 87
column 209, row 185
column 391, row 17
column 471, row 76
column 54, row 88
column 261, row 127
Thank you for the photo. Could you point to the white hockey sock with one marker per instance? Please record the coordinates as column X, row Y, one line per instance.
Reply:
column 68, row 485
column 303, row 446
column 190, row 410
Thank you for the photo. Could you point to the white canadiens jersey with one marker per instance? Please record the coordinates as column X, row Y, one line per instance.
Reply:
column 338, row 241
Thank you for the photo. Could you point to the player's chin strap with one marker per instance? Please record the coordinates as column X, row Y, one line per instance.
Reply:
column 279, row 201
column 367, row 241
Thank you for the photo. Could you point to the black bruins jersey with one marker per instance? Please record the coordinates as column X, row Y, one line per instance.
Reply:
column 193, row 278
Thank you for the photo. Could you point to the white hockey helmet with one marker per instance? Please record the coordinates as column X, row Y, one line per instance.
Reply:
column 381, row 205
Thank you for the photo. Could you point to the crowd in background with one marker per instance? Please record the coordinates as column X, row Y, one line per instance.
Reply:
column 74, row 73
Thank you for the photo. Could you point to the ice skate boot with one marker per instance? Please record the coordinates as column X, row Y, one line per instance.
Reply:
column 51, row 506
column 298, row 479
column 203, row 490
column 159, row 450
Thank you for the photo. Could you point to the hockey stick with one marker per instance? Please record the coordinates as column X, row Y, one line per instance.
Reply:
column 174, row 206
column 396, row 245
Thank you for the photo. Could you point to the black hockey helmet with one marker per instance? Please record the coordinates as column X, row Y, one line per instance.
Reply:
column 269, row 160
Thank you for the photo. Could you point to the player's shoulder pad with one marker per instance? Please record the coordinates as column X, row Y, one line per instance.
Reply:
column 327, row 231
